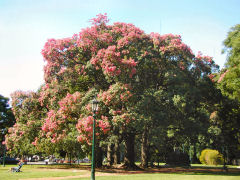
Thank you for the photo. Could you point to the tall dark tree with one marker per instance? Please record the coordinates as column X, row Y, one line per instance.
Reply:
column 226, row 118
column 6, row 117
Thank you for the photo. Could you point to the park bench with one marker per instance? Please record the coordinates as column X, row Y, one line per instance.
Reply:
column 17, row 169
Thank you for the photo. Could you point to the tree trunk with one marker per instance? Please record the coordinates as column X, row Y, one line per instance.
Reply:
column 98, row 158
column 116, row 153
column 194, row 159
column 109, row 154
column 129, row 158
column 145, row 148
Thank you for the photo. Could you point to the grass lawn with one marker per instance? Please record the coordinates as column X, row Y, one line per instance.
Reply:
column 47, row 171
column 37, row 171
column 163, row 176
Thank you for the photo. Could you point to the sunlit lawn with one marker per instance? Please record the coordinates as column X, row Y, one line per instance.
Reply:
column 36, row 171
column 164, row 176
column 44, row 171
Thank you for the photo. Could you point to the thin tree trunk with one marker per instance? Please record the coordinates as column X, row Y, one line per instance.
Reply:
column 109, row 154
column 194, row 159
column 98, row 158
column 144, row 148
column 116, row 153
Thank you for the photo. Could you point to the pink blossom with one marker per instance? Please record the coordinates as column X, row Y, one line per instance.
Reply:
column 222, row 76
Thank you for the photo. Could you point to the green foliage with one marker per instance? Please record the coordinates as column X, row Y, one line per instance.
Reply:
column 6, row 120
column 211, row 157
column 232, row 46
column 6, row 116
column 177, row 159
column 229, row 78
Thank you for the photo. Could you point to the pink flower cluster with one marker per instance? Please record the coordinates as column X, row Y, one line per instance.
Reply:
column 55, row 46
column 68, row 104
column 222, row 76
column 211, row 76
column 101, row 19
column 52, row 127
column 129, row 34
column 51, row 123
column 116, row 98
column 85, row 126
column 113, row 62
column 204, row 59
column 14, row 135
column 127, row 30
column 47, row 94
column 109, row 47
column 116, row 94
column 124, row 118
column 169, row 43
column 55, row 53
column 57, row 121
column 35, row 142
column 88, row 39
column 204, row 63
column 44, row 93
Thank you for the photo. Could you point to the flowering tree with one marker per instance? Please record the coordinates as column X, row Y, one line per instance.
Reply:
column 129, row 71
column 28, row 113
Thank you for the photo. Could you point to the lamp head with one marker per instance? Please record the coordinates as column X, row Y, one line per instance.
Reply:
column 95, row 105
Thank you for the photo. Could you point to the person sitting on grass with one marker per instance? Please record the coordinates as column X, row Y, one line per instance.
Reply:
column 17, row 169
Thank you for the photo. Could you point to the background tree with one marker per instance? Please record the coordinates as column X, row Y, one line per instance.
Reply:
column 28, row 114
column 229, row 80
column 6, row 118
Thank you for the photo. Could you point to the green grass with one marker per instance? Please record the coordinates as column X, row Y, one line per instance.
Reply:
column 35, row 171
column 212, row 166
column 44, row 171
column 165, row 176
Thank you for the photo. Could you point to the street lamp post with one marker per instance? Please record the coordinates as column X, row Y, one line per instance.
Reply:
column 94, row 109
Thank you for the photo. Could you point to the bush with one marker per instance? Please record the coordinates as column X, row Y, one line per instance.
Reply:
column 202, row 156
column 211, row 157
column 177, row 159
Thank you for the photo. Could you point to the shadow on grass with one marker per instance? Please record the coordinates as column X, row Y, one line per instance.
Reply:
column 200, row 173
column 178, row 170
column 215, row 173
column 64, row 166
column 193, row 170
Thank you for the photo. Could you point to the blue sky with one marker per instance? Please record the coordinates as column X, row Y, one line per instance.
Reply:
column 25, row 25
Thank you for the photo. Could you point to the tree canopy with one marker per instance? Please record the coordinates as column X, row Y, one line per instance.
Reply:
column 152, row 90
column 6, row 117
column 230, row 77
